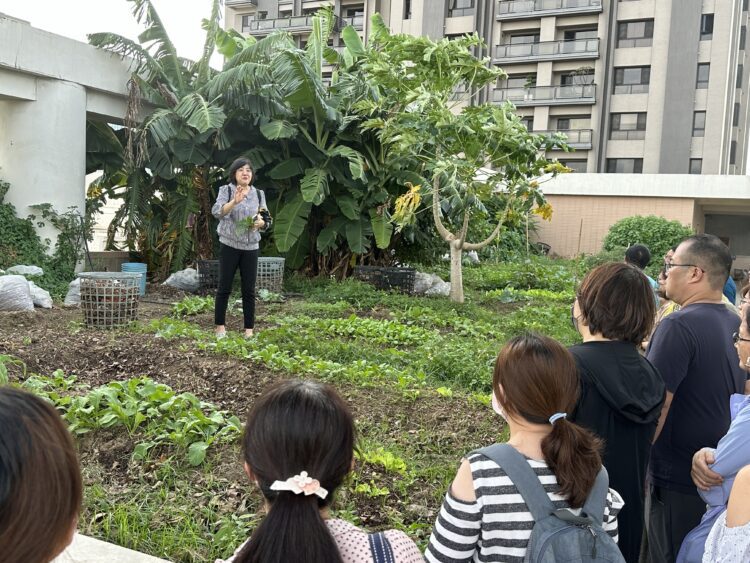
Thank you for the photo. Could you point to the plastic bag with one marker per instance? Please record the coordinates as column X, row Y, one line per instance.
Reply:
column 40, row 296
column 73, row 297
column 15, row 294
column 186, row 279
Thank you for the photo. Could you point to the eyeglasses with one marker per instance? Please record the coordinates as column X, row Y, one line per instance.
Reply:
column 669, row 265
column 737, row 338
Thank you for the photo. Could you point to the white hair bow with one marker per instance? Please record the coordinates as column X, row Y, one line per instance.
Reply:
column 301, row 484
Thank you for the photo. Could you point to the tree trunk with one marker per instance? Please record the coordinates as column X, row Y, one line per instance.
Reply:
column 457, row 280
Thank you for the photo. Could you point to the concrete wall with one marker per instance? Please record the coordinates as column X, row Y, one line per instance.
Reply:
column 734, row 227
column 580, row 223
column 585, row 206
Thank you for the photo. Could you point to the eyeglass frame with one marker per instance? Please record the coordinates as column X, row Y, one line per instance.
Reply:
column 737, row 338
column 669, row 265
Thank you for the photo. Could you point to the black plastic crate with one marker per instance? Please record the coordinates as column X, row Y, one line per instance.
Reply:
column 208, row 274
column 400, row 279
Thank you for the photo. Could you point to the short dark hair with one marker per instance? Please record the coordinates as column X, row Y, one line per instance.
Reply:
column 639, row 255
column 618, row 302
column 236, row 165
column 297, row 426
column 40, row 479
column 709, row 253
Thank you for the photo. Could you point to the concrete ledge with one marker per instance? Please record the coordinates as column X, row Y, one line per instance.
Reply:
column 89, row 550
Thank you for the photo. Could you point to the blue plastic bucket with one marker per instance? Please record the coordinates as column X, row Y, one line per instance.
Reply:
column 137, row 268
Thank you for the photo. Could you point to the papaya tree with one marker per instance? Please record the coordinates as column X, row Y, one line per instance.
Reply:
column 466, row 154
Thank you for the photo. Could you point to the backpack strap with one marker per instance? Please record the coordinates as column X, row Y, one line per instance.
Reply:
column 380, row 548
column 597, row 499
column 523, row 477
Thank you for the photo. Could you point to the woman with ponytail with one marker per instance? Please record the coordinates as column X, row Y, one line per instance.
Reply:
column 298, row 448
column 484, row 517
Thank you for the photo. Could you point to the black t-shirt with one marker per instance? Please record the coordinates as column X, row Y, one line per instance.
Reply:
column 693, row 351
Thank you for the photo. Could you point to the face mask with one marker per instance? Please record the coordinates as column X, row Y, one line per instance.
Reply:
column 573, row 319
column 497, row 407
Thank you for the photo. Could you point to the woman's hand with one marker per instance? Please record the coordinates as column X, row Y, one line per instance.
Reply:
column 702, row 476
column 259, row 224
column 239, row 194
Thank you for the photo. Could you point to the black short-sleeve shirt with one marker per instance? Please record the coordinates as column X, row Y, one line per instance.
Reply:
column 693, row 350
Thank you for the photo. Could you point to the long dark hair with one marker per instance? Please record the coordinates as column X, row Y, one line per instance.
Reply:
column 40, row 479
column 539, row 378
column 297, row 426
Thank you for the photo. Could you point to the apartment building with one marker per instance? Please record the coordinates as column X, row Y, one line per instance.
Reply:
column 638, row 86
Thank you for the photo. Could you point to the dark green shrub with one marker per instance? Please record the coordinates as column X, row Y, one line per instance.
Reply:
column 657, row 233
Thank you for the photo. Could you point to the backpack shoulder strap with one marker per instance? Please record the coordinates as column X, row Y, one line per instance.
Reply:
column 380, row 548
column 597, row 499
column 523, row 477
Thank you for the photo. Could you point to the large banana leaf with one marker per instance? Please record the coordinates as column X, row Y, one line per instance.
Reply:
column 212, row 26
column 290, row 222
column 199, row 113
column 159, row 43
column 349, row 207
column 289, row 168
column 164, row 126
column 382, row 228
column 314, row 185
column 358, row 233
column 296, row 256
column 327, row 237
column 278, row 129
column 356, row 160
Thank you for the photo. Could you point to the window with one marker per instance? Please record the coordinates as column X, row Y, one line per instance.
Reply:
column 262, row 15
column 696, row 165
column 699, row 123
column 246, row 22
column 285, row 13
column 635, row 33
column 407, row 9
column 523, row 39
column 743, row 37
column 521, row 81
column 736, row 115
column 625, row 165
column 460, row 8
column 574, row 122
column 563, row 124
column 707, row 27
column 733, row 152
column 701, row 80
column 577, row 34
column 575, row 165
column 627, row 126
column 528, row 122
column 355, row 10
column 578, row 78
column 739, row 76
column 744, row 5
column 632, row 80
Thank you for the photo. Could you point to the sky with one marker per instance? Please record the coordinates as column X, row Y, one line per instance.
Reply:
column 76, row 18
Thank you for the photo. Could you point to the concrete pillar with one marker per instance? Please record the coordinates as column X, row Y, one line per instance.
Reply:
column 43, row 150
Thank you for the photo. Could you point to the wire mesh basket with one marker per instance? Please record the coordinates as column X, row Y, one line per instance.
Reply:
column 400, row 279
column 109, row 299
column 208, row 274
column 270, row 274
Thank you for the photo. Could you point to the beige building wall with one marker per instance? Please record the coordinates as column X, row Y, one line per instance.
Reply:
column 580, row 223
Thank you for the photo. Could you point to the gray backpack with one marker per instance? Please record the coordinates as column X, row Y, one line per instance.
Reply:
column 558, row 534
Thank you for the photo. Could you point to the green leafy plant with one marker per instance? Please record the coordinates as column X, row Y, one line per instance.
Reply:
column 192, row 305
column 657, row 233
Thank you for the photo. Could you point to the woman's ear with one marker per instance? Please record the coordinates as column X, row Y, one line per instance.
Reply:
column 249, row 473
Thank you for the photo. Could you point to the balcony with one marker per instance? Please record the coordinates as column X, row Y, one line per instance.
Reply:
column 241, row 3
column 547, row 95
column 520, row 9
column 291, row 24
column 627, row 134
column 547, row 51
column 579, row 139
column 357, row 22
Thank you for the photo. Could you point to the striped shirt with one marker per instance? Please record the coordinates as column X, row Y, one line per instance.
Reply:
column 497, row 525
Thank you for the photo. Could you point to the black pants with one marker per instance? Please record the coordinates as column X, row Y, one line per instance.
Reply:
column 229, row 259
column 670, row 515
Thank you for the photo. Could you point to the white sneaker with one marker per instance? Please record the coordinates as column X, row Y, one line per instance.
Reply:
column 220, row 335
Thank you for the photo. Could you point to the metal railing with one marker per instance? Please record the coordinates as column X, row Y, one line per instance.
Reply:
column 241, row 2
column 635, row 42
column 357, row 22
column 547, row 95
column 627, row 134
column 577, row 138
column 458, row 12
column 507, row 9
column 548, row 50
column 286, row 24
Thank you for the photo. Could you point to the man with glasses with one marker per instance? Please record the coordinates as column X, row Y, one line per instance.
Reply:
column 692, row 349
